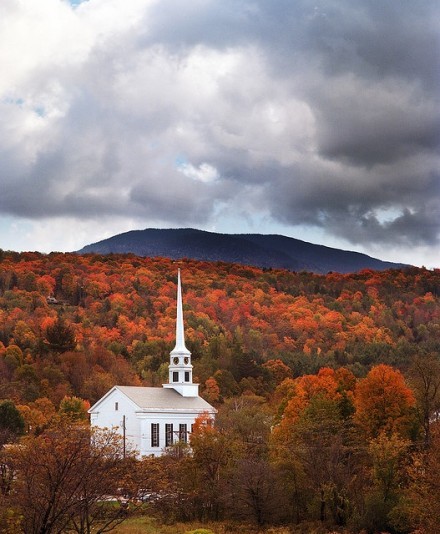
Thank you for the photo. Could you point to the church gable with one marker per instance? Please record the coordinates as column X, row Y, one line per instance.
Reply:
column 113, row 395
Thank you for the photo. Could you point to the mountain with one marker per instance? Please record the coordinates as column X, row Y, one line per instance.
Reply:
column 259, row 250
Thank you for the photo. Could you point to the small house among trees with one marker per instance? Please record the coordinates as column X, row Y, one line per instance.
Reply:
column 150, row 419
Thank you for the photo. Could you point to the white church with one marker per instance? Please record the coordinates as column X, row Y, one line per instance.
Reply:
column 150, row 418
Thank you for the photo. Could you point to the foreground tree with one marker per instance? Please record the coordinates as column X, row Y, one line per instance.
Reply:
column 210, row 462
column 63, row 477
column 317, row 452
column 253, row 492
column 420, row 507
column 387, row 455
column 424, row 376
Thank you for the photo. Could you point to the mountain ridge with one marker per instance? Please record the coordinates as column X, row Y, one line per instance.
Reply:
column 260, row 250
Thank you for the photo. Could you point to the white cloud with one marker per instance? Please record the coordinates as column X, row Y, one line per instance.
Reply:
column 35, row 39
column 273, row 111
column 203, row 173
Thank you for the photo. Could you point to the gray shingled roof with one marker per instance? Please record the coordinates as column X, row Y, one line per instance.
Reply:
column 163, row 398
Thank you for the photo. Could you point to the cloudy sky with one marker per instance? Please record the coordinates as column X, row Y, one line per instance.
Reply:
column 313, row 119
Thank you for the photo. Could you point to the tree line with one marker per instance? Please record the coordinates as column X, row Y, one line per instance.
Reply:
column 326, row 449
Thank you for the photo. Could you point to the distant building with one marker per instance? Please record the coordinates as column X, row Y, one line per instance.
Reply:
column 149, row 418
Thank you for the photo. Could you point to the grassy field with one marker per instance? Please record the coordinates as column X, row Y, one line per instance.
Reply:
column 148, row 525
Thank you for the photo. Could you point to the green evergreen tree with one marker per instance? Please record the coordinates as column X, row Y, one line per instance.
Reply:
column 11, row 422
column 60, row 336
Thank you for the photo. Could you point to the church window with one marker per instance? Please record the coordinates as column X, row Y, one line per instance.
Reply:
column 175, row 376
column 168, row 434
column 183, row 433
column 186, row 376
column 155, row 434
column 116, row 406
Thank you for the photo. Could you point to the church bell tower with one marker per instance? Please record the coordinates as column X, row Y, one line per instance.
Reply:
column 180, row 368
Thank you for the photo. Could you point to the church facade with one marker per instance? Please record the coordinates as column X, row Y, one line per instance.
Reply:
column 149, row 419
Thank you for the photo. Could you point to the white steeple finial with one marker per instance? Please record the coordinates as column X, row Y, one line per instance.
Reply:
column 180, row 332
column 180, row 368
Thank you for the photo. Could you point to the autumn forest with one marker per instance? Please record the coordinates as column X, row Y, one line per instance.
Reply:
column 327, row 387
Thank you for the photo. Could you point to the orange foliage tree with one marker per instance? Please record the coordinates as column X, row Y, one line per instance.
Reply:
column 384, row 403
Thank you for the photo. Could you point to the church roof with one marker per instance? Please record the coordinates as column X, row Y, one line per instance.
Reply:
column 160, row 399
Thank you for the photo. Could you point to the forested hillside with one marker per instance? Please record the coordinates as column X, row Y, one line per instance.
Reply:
column 120, row 312
column 327, row 386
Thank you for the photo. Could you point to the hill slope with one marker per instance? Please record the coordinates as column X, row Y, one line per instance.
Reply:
column 274, row 251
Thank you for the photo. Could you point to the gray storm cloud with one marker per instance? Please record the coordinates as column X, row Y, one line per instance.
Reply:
column 320, row 113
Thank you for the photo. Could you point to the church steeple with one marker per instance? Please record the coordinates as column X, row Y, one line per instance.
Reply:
column 180, row 368
column 180, row 332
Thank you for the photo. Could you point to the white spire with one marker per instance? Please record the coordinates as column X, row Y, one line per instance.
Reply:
column 180, row 368
column 180, row 332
